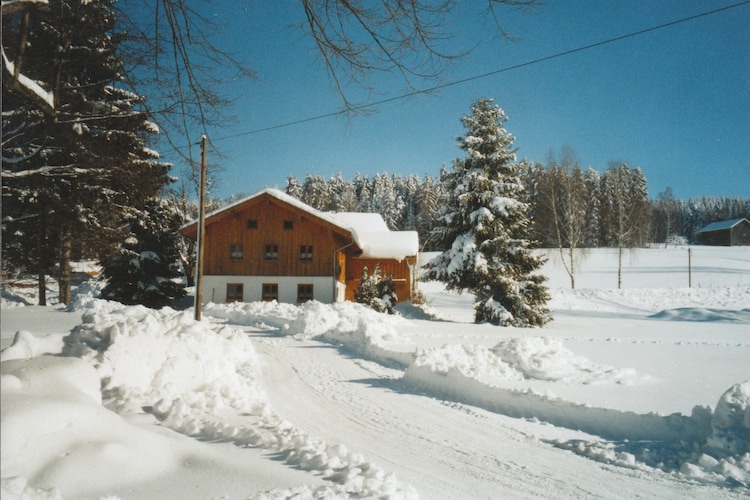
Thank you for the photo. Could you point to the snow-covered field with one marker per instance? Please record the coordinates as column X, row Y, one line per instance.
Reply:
column 642, row 392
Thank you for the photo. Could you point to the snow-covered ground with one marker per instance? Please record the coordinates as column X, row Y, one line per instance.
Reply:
column 641, row 392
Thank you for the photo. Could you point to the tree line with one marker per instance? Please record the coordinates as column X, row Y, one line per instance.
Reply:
column 570, row 207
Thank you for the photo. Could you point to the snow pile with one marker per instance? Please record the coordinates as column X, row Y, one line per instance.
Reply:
column 723, row 457
column 204, row 383
column 55, row 432
column 731, row 422
column 27, row 345
column 545, row 358
column 164, row 358
column 86, row 296
column 354, row 327
column 726, row 453
column 519, row 358
column 471, row 361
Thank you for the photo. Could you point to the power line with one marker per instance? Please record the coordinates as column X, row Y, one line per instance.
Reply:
column 483, row 75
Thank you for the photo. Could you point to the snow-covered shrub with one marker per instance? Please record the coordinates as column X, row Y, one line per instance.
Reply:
column 377, row 291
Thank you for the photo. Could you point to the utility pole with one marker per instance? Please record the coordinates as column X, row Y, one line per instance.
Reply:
column 201, row 233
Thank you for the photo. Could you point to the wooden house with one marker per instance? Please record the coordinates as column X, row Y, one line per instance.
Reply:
column 725, row 233
column 271, row 246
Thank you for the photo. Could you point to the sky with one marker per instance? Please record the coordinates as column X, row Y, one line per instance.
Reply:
column 674, row 101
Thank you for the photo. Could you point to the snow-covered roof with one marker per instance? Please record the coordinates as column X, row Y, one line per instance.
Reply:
column 373, row 237
column 718, row 226
column 361, row 221
column 388, row 244
column 368, row 230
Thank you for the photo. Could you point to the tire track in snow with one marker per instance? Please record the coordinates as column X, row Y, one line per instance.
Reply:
column 445, row 450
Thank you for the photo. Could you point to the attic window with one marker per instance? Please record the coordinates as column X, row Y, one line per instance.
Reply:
column 252, row 223
column 288, row 224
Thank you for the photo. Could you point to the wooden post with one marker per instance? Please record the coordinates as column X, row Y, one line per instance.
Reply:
column 201, row 233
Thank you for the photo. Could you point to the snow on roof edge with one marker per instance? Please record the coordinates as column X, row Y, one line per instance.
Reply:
column 719, row 225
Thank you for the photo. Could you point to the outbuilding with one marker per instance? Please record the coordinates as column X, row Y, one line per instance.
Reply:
column 735, row 232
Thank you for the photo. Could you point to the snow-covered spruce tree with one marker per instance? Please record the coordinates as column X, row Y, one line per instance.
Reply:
column 75, row 173
column 483, row 226
column 143, row 270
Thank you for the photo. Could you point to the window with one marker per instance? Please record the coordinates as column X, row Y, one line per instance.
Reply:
column 304, row 293
column 270, row 291
column 272, row 252
column 252, row 223
column 235, row 292
column 235, row 252
column 306, row 252
column 288, row 224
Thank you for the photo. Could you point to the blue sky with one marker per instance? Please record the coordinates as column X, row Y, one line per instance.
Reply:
column 675, row 102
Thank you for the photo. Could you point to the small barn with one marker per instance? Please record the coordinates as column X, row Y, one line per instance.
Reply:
column 271, row 246
column 725, row 233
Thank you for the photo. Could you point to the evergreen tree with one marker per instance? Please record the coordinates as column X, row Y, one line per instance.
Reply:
column 376, row 291
column 144, row 268
column 316, row 193
column 484, row 225
column 593, row 183
column 367, row 290
column 76, row 172
column 293, row 187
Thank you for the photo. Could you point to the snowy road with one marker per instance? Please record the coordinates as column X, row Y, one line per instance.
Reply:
column 443, row 449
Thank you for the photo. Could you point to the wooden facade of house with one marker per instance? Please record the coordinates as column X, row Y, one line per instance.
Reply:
column 735, row 232
column 271, row 246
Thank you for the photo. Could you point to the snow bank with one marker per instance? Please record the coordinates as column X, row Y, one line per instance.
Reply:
column 55, row 431
column 27, row 345
column 205, row 383
column 146, row 357
column 475, row 376
column 723, row 457
column 359, row 329
column 545, row 358
column 520, row 358
column 705, row 446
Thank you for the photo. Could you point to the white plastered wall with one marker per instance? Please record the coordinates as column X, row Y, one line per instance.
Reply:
column 215, row 287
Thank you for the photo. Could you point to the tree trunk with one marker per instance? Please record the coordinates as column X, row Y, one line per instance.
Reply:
column 64, row 282
column 42, row 288
column 572, row 268
column 619, row 267
column 42, row 278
